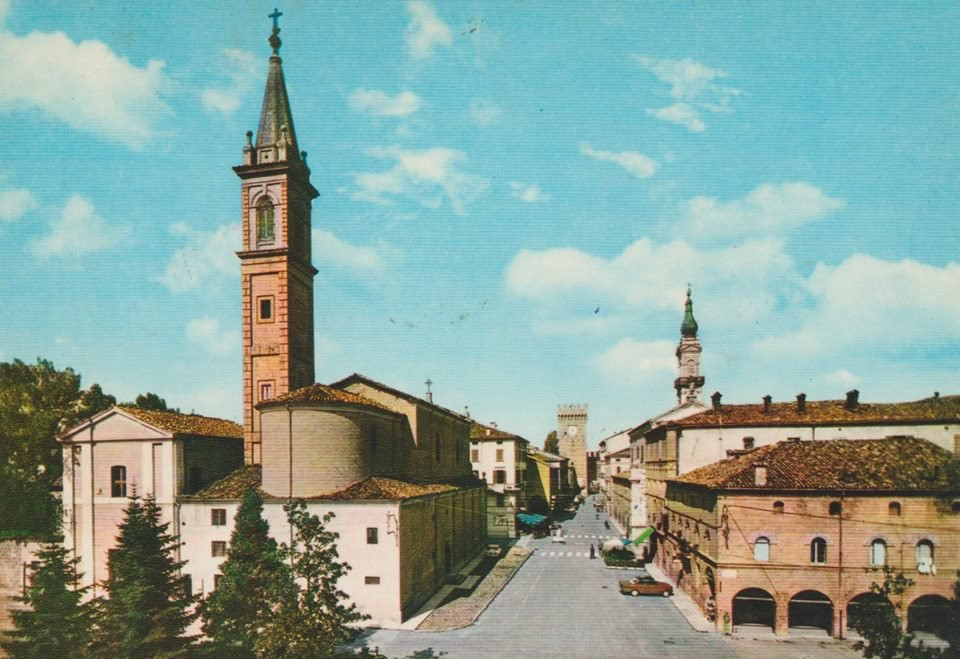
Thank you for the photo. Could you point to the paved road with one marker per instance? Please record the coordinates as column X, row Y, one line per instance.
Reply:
column 562, row 604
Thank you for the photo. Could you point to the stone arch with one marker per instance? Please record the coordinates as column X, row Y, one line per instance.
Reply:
column 927, row 613
column 865, row 605
column 810, row 609
column 754, row 606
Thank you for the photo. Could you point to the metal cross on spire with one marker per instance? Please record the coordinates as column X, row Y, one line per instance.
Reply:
column 276, row 18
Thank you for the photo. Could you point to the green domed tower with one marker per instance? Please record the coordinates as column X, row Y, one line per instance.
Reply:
column 689, row 382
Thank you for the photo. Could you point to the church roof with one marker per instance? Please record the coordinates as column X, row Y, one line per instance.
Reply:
column 186, row 424
column 370, row 382
column 373, row 488
column 938, row 409
column 897, row 464
column 321, row 393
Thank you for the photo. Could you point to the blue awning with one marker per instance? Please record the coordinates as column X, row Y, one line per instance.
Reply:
column 531, row 519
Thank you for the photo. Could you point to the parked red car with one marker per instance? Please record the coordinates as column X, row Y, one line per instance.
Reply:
column 645, row 585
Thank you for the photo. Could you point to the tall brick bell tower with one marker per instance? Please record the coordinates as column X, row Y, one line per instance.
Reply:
column 275, row 262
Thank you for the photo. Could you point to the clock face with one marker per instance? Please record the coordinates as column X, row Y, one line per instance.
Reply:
column 572, row 431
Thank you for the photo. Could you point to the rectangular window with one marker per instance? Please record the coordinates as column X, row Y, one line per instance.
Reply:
column 499, row 455
column 371, row 581
column 218, row 548
column 499, row 476
column 118, row 481
column 186, row 582
column 216, row 580
column 436, row 447
column 372, row 535
column 500, row 501
column 474, row 455
column 265, row 309
column 218, row 517
column 266, row 390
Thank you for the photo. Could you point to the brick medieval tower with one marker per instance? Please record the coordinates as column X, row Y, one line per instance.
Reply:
column 689, row 382
column 572, row 440
column 275, row 262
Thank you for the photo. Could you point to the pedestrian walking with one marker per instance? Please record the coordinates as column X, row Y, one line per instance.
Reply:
column 593, row 553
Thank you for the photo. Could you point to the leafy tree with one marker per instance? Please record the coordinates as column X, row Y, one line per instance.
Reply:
column 36, row 402
column 147, row 610
column 312, row 616
column 56, row 624
column 879, row 622
column 153, row 402
column 236, row 611
column 551, row 444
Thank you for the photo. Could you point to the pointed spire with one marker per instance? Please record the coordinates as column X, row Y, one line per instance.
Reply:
column 276, row 120
column 689, row 326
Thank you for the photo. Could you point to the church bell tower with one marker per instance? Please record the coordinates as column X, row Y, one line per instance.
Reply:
column 275, row 262
column 689, row 382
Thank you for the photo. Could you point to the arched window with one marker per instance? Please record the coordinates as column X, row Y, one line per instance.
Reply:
column 835, row 508
column 924, row 555
column 818, row 551
column 761, row 549
column 118, row 481
column 894, row 508
column 878, row 552
column 265, row 220
column 778, row 507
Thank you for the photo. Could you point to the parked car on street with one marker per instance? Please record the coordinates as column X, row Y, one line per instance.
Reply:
column 557, row 536
column 493, row 551
column 645, row 585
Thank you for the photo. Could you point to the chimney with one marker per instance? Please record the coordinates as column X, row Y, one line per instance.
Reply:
column 716, row 400
column 760, row 475
column 493, row 424
column 801, row 403
column 466, row 411
column 853, row 399
column 936, row 394
column 766, row 404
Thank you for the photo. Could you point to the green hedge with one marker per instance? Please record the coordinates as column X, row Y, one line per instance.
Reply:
column 621, row 558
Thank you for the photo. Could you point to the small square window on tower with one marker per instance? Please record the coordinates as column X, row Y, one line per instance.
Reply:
column 265, row 309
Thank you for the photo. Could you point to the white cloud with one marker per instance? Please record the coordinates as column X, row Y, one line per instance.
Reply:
column 241, row 69
column 869, row 306
column 206, row 332
column 381, row 104
column 634, row 163
column 426, row 176
column 339, row 253
column 483, row 112
column 693, row 85
column 770, row 208
column 528, row 192
column 208, row 257
column 425, row 31
column 85, row 85
column 635, row 362
column 680, row 113
column 15, row 203
column 77, row 230
column 841, row 376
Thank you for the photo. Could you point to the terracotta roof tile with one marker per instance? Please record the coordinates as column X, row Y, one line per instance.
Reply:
column 321, row 393
column 896, row 464
column 827, row 412
column 372, row 488
column 363, row 379
column 186, row 424
column 480, row 432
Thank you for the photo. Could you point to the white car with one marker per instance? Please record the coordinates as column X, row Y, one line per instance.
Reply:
column 558, row 536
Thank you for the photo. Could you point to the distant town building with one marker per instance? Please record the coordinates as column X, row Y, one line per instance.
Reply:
column 548, row 481
column 500, row 458
column 792, row 534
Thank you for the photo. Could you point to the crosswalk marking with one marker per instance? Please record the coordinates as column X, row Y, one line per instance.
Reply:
column 564, row 554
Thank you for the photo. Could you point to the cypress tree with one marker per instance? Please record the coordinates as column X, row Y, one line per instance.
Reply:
column 147, row 612
column 56, row 624
column 311, row 616
column 238, row 608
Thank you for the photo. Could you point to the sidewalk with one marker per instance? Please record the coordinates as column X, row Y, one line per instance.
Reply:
column 683, row 602
column 439, row 614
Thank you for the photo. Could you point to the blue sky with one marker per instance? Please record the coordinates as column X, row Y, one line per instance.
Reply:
column 514, row 196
